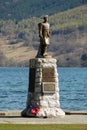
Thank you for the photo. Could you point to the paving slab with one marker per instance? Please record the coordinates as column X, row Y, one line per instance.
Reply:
column 68, row 119
column 14, row 117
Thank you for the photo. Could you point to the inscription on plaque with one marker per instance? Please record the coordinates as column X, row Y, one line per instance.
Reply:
column 48, row 74
column 48, row 87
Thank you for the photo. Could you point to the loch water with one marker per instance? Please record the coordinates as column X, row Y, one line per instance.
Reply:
column 72, row 86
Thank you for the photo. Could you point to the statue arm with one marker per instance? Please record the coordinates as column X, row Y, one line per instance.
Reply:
column 40, row 30
column 49, row 31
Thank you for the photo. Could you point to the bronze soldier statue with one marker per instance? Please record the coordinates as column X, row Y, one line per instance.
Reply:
column 44, row 34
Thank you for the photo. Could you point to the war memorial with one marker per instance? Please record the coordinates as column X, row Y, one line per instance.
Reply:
column 43, row 90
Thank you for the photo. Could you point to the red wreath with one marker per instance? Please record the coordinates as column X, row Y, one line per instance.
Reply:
column 34, row 111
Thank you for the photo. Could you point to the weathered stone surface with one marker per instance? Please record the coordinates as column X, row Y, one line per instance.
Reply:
column 46, row 65
column 50, row 112
column 53, row 103
column 32, row 79
column 43, row 89
column 38, row 89
column 43, row 104
column 32, row 63
column 51, row 96
column 38, row 80
column 57, row 87
column 38, row 75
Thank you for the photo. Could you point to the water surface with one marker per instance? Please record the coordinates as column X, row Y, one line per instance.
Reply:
column 72, row 85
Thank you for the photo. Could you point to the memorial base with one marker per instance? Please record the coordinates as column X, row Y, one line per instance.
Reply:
column 43, row 91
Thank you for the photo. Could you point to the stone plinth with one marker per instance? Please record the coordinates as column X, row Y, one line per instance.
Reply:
column 43, row 91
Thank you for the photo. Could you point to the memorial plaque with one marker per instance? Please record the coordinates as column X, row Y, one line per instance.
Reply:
column 48, row 74
column 32, row 80
column 48, row 87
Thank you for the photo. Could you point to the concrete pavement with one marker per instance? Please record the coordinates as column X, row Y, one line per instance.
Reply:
column 71, row 117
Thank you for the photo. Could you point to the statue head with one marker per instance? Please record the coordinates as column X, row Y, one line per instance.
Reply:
column 45, row 18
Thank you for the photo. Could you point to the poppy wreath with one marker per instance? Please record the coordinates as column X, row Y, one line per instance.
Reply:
column 34, row 111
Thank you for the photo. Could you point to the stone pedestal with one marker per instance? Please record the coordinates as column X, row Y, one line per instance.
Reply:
column 43, row 91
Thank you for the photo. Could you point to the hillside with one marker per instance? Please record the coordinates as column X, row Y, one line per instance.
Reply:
column 22, row 9
column 19, row 40
column 13, row 55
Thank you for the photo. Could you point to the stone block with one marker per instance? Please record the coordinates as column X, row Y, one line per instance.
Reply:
column 53, row 103
column 43, row 91
column 48, row 65
column 38, row 80
column 38, row 89
column 53, row 112
column 32, row 63
column 41, row 113
column 38, row 74
column 43, row 104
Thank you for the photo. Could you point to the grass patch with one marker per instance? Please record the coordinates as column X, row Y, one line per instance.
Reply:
column 42, row 127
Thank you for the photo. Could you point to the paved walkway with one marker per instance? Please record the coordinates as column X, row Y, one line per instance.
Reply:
column 68, row 119
column 13, row 117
